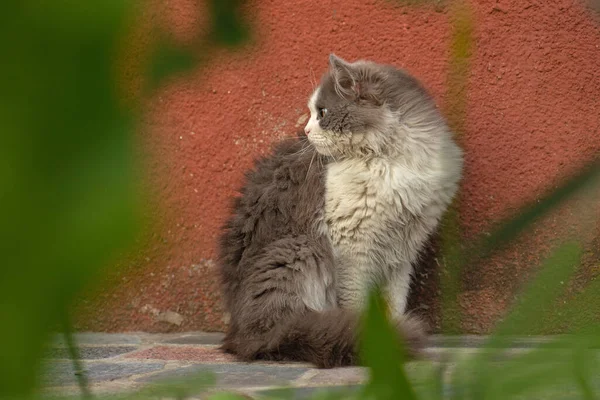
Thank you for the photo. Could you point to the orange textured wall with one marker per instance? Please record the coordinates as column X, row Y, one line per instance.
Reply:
column 532, row 117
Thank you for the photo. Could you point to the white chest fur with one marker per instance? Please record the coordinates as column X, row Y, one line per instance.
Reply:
column 372, row 203
column 378, row 215
column 359, row 198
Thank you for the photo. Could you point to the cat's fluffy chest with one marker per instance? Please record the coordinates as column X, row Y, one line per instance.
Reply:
column 363, row 199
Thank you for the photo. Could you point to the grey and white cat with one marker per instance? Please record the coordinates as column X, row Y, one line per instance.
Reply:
column 348, row 205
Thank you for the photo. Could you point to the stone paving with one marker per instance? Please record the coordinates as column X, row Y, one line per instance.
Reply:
column 121, row 363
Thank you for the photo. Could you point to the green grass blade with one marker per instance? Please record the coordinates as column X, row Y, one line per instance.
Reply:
column 477, row 377
column 507, row 231
column 383, row 353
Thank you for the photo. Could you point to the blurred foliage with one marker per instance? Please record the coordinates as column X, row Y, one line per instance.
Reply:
column 70, row 205
column 69, row 201
column 227, row 29
column 456, row 106
column 383, row 354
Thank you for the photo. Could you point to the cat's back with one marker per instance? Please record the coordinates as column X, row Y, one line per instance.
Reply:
column 281, row 196
column 288, row 162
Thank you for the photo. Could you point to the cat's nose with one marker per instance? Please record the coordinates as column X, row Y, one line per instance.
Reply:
column 307, row 130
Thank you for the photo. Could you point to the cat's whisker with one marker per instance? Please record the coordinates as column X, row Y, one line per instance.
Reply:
column 339, row 149
column 305, row 146
column 310, row 165
column 330, row 154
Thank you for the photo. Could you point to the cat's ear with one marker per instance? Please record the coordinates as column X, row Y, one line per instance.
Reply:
column 344, row 77
column 350, row 83
column 338, row 64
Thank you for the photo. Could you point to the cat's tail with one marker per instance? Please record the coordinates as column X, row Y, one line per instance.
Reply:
column 327, row 339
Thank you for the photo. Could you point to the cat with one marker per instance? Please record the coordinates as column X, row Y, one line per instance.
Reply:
column 345, row 206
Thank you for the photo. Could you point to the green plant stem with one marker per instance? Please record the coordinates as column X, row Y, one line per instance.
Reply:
column 82, row 380
column 453, row 260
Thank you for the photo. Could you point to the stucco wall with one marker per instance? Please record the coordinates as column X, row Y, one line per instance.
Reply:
column 532, row 117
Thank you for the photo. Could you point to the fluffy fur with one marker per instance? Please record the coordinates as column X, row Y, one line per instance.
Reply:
column 330, row 214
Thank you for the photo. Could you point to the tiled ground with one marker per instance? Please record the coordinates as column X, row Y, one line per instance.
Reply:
column 119, row 363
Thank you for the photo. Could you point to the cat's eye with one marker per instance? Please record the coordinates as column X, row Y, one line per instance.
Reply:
column 322, row 112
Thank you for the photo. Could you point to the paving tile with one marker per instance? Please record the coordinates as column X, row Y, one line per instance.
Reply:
column 61, row 373
column 183, row 353
column 188, row 354
column 235, row 375
column 91, row 338
column 213, row 338
column 336, row 377
column 89, row 353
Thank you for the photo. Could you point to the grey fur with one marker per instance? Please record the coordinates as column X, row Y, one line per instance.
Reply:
column 327, row 216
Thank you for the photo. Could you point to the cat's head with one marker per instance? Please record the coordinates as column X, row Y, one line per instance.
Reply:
column 359, row 108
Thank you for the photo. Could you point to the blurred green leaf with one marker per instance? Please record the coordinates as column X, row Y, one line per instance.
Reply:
column 548, row 364
column 228, row 28
column 337, row 394
column 580, row 312
column 227, row 396
column 69, row 201
column 179, row 388
column 452, row 255
column 75, row 359
column 566, row 361
column 283, row 393
column 384, row 354
column 170, row 60
column 228, row 25
column 510, row 229
column 547, row 286
column 458, row 256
